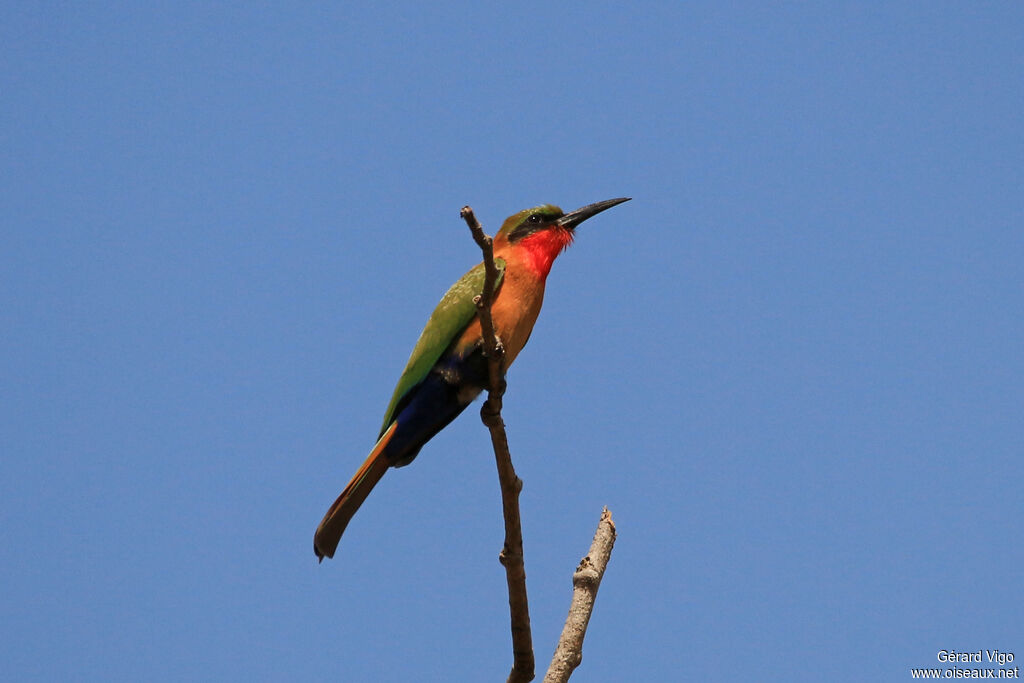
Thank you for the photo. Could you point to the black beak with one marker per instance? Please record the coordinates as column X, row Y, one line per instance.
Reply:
column 574, row 218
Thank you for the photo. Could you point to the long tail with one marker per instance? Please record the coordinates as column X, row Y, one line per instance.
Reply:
column 328, row 534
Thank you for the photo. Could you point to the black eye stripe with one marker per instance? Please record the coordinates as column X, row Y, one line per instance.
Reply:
column 539, row 219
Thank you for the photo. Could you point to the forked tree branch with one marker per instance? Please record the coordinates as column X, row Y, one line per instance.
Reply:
column 586, row 580
column 511, row 556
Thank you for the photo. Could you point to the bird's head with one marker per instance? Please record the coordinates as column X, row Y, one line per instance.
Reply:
column 545, row 231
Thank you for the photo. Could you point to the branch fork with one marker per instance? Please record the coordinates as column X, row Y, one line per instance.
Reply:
column 588, row 574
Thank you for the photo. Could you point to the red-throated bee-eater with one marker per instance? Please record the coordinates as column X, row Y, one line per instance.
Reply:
column 447, row 370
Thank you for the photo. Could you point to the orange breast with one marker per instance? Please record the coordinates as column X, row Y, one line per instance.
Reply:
column 515, row 310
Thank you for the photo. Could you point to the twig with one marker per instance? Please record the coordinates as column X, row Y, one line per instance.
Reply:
column 511, row 556
column 493, row 350
column 586, row 580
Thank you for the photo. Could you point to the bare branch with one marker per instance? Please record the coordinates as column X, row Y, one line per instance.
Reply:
column 511, row 556
column 493, row 349
column 586, row 580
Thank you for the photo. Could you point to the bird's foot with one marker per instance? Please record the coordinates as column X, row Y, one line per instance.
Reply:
column 499, row 348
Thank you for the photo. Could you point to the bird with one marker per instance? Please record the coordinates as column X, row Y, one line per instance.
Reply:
column 447, row 369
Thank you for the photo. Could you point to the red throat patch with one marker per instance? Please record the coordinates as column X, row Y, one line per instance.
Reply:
column 541, row 248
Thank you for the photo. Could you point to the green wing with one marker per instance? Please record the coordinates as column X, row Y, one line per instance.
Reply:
column 449, row 319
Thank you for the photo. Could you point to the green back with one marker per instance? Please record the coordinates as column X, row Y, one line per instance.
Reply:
column 452, row 315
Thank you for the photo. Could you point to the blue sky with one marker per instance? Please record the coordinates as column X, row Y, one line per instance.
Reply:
column 791, row 366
